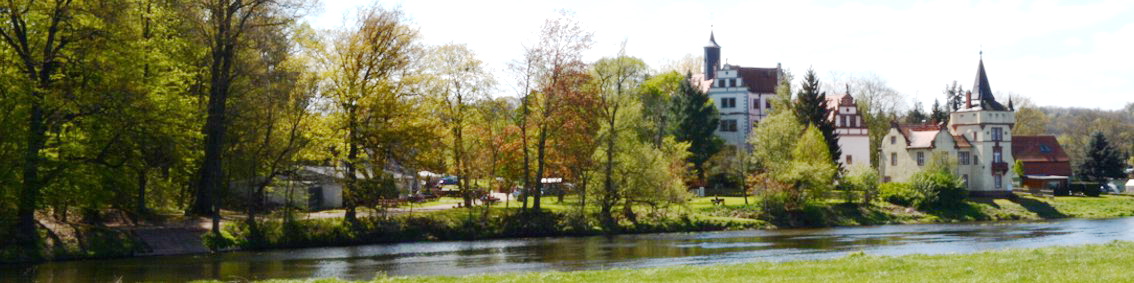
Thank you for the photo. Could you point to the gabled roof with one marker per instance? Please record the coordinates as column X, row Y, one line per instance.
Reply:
column 919, row 135
column 1041, row 155
column 984, row 92
column 961, row 141
column 759, row 80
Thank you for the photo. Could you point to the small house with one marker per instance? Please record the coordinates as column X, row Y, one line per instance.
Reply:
column 1045, row 164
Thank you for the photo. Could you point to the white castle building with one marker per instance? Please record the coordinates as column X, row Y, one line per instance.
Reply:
column 978, row 137
column 743, row 97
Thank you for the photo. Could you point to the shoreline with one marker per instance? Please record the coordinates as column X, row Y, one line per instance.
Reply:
column 705, row 222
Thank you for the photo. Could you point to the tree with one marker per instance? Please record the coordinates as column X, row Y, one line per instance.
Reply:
column 618, row 80
column 954, row 97
column 696, row 119
column 458, row 81
column 915, row 114
column 939, row 114
column 811, row 108
column 878, row 104
column 864, row 179
column 659, row 94
column 1102, row 160
column 370, row 80
column 555, row 67
column 224, row 27
column 1030, row 120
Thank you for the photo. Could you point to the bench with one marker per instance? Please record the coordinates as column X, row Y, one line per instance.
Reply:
column 718, row 201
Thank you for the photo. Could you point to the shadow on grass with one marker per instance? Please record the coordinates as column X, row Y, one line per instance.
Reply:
column 1042, row 209
column 965, row 211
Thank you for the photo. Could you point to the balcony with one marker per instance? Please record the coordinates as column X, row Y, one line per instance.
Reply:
column 999, row 167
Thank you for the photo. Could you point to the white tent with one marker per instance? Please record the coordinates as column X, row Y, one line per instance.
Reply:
column 1130, row 186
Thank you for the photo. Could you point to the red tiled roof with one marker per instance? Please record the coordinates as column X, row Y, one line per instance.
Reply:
column 962, row 142
column 920, row 135
column 759, row 80
column 1041, row 155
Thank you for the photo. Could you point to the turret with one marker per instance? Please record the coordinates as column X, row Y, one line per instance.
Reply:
column 712, row 58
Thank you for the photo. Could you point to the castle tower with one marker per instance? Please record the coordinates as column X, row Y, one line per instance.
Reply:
column 712, row 58
column 987, row 125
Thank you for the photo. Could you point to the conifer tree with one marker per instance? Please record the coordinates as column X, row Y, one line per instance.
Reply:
column 696, row 119
column 811, row 108
column 1102, row 160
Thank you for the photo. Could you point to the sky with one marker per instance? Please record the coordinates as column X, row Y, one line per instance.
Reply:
column 1057, row 53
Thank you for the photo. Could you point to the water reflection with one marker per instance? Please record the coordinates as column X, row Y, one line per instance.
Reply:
column 630, row 251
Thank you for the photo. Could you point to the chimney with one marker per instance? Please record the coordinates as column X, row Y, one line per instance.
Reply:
column 968, row 99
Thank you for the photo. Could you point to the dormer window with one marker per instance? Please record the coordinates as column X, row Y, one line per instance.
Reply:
column 1045, row 149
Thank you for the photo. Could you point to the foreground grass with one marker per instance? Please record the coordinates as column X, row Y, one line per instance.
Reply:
column 1091, row 263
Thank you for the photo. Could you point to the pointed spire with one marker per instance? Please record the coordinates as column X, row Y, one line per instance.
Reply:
column 712, row 40
column 1010, row 106
column 982, row 89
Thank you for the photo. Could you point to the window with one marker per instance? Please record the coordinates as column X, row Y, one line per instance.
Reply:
column 720, row 83
column 998, row 180
column 731, row 82
column 854, row 122
column 997, row 134
column 1045, row 149
column 842, row 121
column 728, row 102
column 965, row 179
column 893, row 139
column 768, row 104
column 963, row 158
column 921, row 159
column 886, row 179
column 728, row 125
column 756, row 103
column 893, row 159
column 850, row 160
column 997, row 156
column 976, row 159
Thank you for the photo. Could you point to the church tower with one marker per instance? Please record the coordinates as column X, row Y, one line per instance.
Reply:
column 712, row 58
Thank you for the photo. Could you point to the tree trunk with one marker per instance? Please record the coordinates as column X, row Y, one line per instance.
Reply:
column 608, row 182
column 352, row 179
column 142, row 182
column 25, row 213
column 220, row 73
column 541, row 156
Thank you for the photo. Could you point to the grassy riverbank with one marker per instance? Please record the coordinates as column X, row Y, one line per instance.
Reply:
column 1090, row 263
column 564, row 219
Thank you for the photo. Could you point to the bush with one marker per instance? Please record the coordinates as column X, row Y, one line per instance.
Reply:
column 1091, row 189
column 938, row 188
column 899, row 193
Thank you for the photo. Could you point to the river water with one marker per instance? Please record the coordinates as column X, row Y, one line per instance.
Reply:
column 541, row 254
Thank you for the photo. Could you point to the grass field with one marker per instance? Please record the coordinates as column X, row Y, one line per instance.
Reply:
column 1092, row 263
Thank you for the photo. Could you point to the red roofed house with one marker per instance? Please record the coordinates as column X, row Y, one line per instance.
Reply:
column 1046, row 165
column 978, row 136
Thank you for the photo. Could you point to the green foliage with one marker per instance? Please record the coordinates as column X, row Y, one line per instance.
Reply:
column 938, row 188
column 1102, row 160
column 696, row 118
column 864, row 179
column 902, row 194
column 811, row 109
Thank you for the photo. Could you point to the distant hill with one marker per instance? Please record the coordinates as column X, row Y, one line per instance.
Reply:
column 1074, row 126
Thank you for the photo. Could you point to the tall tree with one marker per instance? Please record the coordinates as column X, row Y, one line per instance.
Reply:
column 618, row 81
column 916, row 115
column 695, row 119
column 811, row 108
column 369, row 66
column 41, row 36
column 1102, row 160
column 558, row 66
column 224, row 25
column 1030, row 120
column 458, row 80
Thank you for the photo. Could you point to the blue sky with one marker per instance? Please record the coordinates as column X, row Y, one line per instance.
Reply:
column 1058, row 53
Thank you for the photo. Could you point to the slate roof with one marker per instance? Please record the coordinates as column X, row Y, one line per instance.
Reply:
column 712, row 41
column 981, row 88
column 1041, row 155
column 759, row 80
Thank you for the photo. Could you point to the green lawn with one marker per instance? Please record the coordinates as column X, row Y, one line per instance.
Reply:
column 1091, row 263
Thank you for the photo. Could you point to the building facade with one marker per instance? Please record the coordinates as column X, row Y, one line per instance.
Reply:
column 1045, row 165
column 977, row 137
column 854, row 137
column 742, row 95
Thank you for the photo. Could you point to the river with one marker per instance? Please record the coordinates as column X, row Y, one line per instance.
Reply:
column 542, row 254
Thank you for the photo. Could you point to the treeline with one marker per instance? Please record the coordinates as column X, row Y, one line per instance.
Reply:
column 146, row 107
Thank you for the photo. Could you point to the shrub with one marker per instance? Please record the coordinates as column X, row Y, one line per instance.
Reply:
column 899, row 193
column 938, row 188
